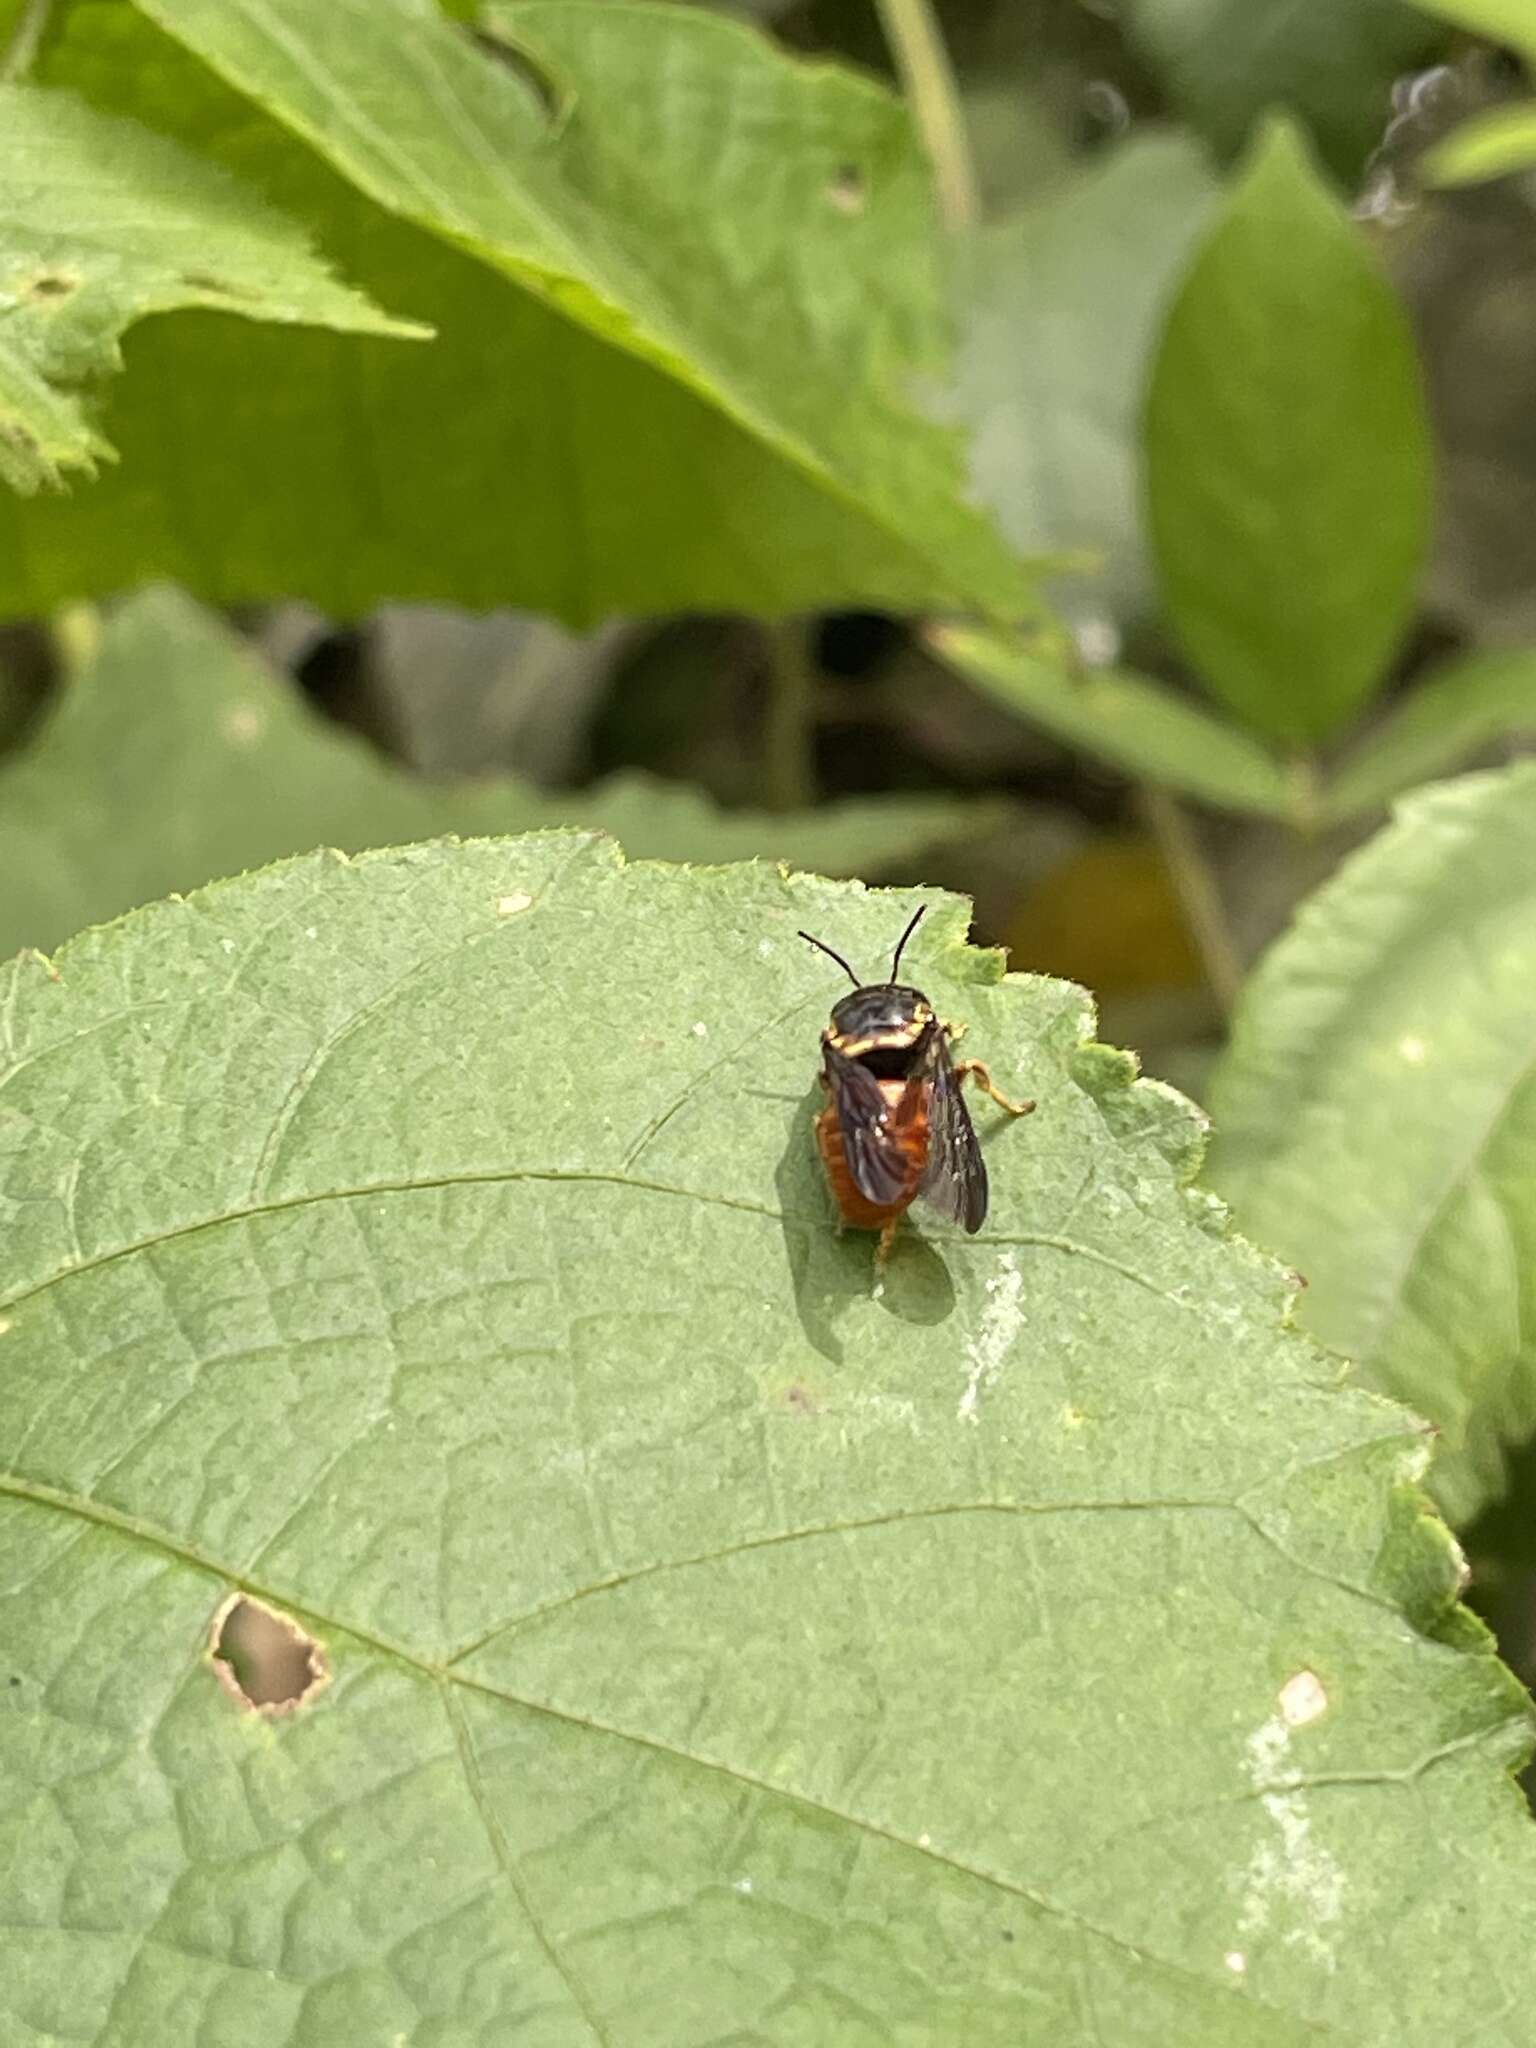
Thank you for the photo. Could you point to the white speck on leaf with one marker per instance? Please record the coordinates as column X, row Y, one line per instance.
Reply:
column 6, row 1325
column 1413, row 1050
column 1302, row 1699
column 228, row 945
column 509, row 906
column 700, row 1030
column 311, row 931
column 1235, row 1961
column 1001, row 1321
column 765, row 949
column 244, row 725
column 1291, row 1881
column 743, row 1885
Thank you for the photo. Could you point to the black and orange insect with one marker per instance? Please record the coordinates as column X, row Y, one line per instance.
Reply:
column 895, row 1125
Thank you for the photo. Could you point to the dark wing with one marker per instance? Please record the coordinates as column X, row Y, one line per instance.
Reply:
column 955, row 1182
column 871, row 1141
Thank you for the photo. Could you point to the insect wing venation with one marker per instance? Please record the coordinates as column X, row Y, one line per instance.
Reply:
column 955, row 1181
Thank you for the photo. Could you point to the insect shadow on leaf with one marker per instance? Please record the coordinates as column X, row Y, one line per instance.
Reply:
column 830, row 1270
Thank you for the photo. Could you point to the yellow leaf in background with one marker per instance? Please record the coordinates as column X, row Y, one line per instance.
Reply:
column 1108, row 918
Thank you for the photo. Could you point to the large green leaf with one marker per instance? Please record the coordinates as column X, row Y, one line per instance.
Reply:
column 1377, row 1116
column 177, row 756
column 1123, row 718
column 1332, row 62
column 1287, row 458
column 1062, row 307
column 1435, row 728
column 682, row 329
column 103, row 224
column 1035, row 1645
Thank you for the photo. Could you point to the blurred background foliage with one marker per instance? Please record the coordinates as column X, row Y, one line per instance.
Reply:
column 1115, row 537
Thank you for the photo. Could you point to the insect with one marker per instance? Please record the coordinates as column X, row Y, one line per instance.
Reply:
column 895, row 1125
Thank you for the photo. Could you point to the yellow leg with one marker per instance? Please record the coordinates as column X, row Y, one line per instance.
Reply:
column 980, row 1073
column 888, row 1231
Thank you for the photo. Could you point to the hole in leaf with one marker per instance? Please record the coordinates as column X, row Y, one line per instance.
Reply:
column 50, row 284
column 264, row 1659
column 847, row 190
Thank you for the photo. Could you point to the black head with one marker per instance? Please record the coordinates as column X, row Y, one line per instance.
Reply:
column 885, row 1013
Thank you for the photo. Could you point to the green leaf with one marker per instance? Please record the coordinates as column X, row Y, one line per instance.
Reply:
column 177, row 756
column 1434, row 728
column 1287, row 456
column 1039, row 1644
column 105, row 223
column 1498, row 21
column 1061, row 308
column 1331, row 62
column 1377, row 1113
column 1123, row 718
column 1488, row 146
column 688, row 318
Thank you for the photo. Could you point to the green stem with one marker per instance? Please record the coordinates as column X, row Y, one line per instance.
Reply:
column 1306, row 802
column 26, row 38
column 789, row 728
column 928, row 80
column 1199, row 898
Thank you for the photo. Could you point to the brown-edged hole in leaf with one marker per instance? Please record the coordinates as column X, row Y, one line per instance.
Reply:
column 50, row 284
column 264, row 1659
column 846, row 189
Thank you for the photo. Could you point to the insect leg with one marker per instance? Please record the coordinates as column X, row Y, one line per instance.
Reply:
column 979, row 1071
column 888, row 1230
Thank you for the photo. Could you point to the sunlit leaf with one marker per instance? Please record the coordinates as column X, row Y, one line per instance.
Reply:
column 1038, row 1644
column 1377, row 1116
column 691, row 327
column 104, row 223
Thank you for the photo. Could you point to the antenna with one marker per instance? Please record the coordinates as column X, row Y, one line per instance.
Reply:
column 901, row 943
column 822, row 946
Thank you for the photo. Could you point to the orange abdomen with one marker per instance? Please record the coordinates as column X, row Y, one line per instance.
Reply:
column 910, row 1127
